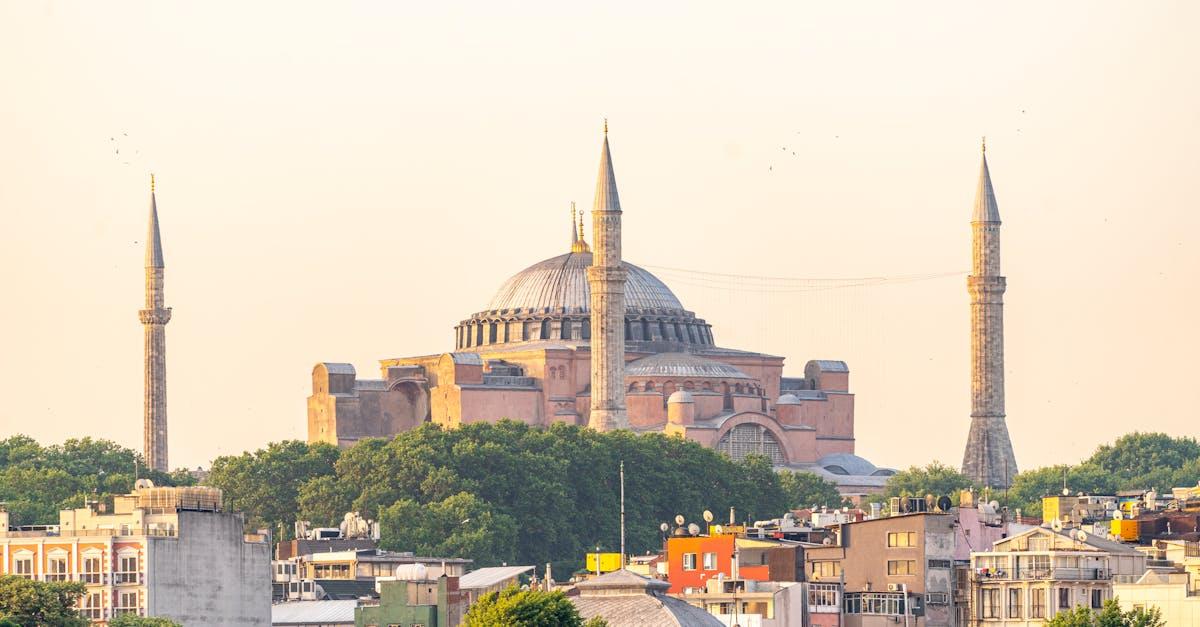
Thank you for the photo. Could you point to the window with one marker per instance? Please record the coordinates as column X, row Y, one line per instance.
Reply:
column 127, row 603
column 989, row 603
column 91, row 570
column 93, row 605
column 823, row 595
column 127, row 569
column 1015, row 608
column 886, row 603
column 1097, row 599
column 689, row 561
column 751, row 439
column 1064, row 598
column 902, row 539
column 56, row 568
column 902, row 567
column 826, row 570
column 710, row 561
column 1037, row 603
column 940, row 564
column 23, row 566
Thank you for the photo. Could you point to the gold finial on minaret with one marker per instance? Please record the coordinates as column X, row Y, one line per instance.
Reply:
column 606, row 126
column 578, row 244
column 983, row 144
column 151, row 182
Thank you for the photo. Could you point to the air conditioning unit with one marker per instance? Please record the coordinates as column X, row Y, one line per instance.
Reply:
column 895, row 587
column 937, row 598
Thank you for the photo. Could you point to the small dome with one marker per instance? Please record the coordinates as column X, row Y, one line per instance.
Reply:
column 682, row 365
column 847, row 464
column 681, row 396
column 788, row 399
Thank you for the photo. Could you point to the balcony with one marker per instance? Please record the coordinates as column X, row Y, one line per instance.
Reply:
column 128, row 578
column 93, row 579
column 1047, row 574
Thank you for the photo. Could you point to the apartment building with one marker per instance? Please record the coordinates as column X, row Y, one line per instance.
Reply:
column 156, row 552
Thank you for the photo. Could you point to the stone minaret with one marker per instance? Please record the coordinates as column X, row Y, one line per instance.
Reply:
column 989, row 458
column 154, row 320
column 606, row 278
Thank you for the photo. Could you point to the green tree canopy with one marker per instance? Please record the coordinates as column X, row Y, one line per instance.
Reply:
column 936, row 478
column 31, row 603
column 460, row 524
column 1108, row 616
column 524, row 608
column 806, row 489
column 37, row 481
column 132, row 620
column 266, row 484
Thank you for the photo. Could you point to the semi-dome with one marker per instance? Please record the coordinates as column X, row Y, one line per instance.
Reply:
column 681, row 365
column 559, row 284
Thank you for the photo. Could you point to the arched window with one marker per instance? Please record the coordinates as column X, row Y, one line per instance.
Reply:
column 545, row 328
column 751, row 439
column 649, row 386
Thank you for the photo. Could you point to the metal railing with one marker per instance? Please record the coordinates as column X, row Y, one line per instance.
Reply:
column 1048, row 574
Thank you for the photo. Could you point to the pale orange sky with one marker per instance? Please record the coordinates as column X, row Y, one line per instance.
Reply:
column 346, row 181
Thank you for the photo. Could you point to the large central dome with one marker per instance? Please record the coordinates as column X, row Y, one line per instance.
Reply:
column 559, row 284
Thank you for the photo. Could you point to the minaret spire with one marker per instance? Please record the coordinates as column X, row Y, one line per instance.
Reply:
column 988, row 459
column 154, row 321
column 606, row 278
column 574, row 233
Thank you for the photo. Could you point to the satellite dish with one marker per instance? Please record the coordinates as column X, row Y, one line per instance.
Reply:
column 708, row 516
column 679, row 519
column 1056, row 525
column 1117, row 515
column 694, row 529
column 827, row 541
column 664, row 527
column 944, row 503
column 995, row 506
column 1066, row 492
column 1081, row 535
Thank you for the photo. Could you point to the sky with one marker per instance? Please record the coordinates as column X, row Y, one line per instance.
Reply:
column 346, row 181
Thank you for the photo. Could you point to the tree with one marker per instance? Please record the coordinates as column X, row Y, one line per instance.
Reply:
column 265, row 484
column 937, row 479
column 131, row 620
column 31, row 603
column 806, row 489
column 1136, row 454
column 460, row 525
column 324, row 501
column 1108, row 616
column 524, row 608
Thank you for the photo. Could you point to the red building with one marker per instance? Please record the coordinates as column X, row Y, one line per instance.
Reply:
column 692, row 561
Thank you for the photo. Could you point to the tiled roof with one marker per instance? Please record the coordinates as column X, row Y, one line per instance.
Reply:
column 627, row 599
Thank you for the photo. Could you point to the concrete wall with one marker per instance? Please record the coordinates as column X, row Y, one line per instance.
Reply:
column 209, row 575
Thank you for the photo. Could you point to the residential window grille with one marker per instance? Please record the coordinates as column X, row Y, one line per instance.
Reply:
column 940, row 564
column 825, row 595
column 989, row 603
column 751, row 439
column 1015, row 608
column 882, row 603
column 1037, row 603
column 902, row 567
column 689, row 561
column 902, row 539
column 710, row 561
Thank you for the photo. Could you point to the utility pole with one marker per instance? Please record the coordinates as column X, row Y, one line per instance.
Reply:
column 622, row 513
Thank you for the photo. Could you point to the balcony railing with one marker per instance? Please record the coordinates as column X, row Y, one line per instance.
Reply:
column 127, row 578
column 1048, row 574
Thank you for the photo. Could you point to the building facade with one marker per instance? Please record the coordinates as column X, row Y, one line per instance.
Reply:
column 1029, row 577
column 167, row 552
column 529, row 356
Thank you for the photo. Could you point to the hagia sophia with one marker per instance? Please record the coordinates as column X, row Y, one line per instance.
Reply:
column 528, row 355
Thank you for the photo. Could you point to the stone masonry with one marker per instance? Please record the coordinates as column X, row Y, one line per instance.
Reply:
column 988, row 459
column 154, row 322
column 606, row 277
